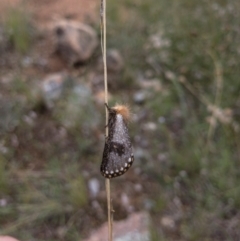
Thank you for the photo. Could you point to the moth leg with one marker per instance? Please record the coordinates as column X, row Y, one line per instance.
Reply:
column 108, row 108
column 106, row 138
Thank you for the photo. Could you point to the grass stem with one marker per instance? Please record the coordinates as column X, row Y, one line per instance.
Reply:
column 104, row 44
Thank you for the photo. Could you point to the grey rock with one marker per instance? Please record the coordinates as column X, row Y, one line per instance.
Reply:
column 52, row 88
column 134, row 236
column 150, row 126
column 168, row 222
column 161, row 119
column 140, row 97
column 78, row 108
column 27, row 61
column 126, row 202
column 115, row 61
column 136, row 228
column 115, row 65
column 7, row 238
column 148, row 204
column 152, row 84
column 139, row 153
column 94, row 187
column 3, row 202
column 75, row 41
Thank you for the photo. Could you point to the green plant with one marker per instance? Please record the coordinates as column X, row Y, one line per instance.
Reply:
column 3, row 176
column 18, row 28
column 78, row 195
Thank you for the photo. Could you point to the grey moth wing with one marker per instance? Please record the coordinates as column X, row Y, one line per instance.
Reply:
column 117, row 155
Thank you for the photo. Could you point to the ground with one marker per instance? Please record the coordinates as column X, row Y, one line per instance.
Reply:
column 43, row 15
column 45, row 11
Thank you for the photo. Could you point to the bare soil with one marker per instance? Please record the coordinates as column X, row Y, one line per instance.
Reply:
column 45, row 11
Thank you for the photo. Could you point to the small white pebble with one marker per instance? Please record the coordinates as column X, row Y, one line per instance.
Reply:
column 94, row 187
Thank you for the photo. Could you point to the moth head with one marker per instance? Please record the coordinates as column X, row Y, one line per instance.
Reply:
column 123, row 110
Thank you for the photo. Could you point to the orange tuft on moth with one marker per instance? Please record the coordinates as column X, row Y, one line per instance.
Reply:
column 123, row 110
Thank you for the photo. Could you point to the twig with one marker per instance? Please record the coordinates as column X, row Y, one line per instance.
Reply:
column 110, row 218
column 103, row 45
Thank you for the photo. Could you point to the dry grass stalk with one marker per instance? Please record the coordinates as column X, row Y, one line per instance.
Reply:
column 104, row 43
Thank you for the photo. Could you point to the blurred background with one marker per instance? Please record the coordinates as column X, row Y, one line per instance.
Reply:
column 175, row 63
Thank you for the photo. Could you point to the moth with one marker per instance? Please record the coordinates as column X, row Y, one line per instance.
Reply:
column 117, row 154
